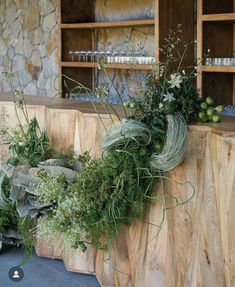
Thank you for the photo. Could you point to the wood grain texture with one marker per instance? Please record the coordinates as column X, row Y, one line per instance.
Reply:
column 196, row 244
column 219, row 17
column 225, row 128
column 108, row 66
column 113, row 24
column 220, row 69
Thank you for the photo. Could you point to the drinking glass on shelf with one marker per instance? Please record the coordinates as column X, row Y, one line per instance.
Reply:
column 100, row 55
column 95, row 56
column 122, row 57
column 109, row 57
column 141, row 60
column 72, row 55
column 81, row 55
column 115, row 57
column 78, row 54
column 211, row 61
column 89, row 56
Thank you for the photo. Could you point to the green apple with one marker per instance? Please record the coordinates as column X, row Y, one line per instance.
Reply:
column 219, row 109
column 132, row 105
column 209, row 112
column 209, row 101
column 216, row 118
column 201, row 115
column 204, row 105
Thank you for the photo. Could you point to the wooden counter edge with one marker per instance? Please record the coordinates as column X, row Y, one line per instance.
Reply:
column 225, row 128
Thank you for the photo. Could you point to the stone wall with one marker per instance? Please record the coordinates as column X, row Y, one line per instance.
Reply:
column 28, row 45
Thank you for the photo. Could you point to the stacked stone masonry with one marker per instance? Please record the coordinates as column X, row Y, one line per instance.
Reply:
column 29, row 45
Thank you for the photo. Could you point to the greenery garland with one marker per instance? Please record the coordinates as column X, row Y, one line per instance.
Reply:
column 87, row 199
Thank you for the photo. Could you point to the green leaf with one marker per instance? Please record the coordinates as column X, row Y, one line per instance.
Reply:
column 4, row 201
column 13, row 161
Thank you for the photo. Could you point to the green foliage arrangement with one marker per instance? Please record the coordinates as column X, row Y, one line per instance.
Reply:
column 109, row 191
column 117, row 188
column 87, row 199
column 18, row 201
column 26, row 141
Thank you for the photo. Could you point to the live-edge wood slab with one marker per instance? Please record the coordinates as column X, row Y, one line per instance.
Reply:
column 196, row 244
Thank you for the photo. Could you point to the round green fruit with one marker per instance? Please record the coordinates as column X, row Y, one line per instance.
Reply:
column 209, row 101
column 201, row 115
column 132, row 105
column 209, row 112
column 216, row 118
column 219, row 109
column 204, row 105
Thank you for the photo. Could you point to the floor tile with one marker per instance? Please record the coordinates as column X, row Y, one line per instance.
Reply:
column 40, row 272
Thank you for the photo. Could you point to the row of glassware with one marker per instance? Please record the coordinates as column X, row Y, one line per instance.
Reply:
column 220, row 61
column 112, row 57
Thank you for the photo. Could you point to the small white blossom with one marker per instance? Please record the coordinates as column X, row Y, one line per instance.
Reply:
column 175, row 80
column 168, row 97
column 160, row 106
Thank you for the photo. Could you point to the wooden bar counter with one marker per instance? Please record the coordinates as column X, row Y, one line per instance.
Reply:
column 196, row 245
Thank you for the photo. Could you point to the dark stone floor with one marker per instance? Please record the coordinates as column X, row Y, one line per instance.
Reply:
column 40, row 272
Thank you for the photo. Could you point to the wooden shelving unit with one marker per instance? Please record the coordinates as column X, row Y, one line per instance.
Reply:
column 216, row 31
column 78, row 31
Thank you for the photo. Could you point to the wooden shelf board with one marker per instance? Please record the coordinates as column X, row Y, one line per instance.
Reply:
column 108, row 66
column 222, row 69
column 219, row 17
column 96, row 25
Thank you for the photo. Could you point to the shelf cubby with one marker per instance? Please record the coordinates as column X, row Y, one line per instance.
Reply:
column 84, row 76
column 218, row 38
column 216, row 32
column 218, row 85
column 74, row 11
column 75, row 40
column 217, row 6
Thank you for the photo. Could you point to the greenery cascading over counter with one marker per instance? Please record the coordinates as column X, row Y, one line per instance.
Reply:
column 86, row 199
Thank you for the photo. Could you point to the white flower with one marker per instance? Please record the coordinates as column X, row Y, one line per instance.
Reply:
column 175, row 81
column 160, row 106
column 169, row 97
